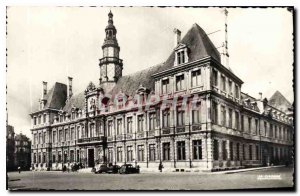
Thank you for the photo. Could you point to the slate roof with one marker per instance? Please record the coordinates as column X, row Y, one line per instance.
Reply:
column 199, row 45
column 75, row 101
column 56, row 97
column 278, row 101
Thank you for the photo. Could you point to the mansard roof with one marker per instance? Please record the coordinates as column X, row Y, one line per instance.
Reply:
column 55, row 98
column 199, row 46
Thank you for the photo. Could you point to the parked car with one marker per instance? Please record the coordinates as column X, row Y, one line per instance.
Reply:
column 129, row 169
column 114, row 169
column 101, row 169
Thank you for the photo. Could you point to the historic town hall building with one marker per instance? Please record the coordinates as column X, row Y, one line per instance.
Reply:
column 188, row 113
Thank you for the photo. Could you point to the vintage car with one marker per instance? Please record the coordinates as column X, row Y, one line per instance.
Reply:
column 129, row 169
column 112, row 169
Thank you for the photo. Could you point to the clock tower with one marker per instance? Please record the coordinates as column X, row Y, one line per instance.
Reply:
column 110, row 65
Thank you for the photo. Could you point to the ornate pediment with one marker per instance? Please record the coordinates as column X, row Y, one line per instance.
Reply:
column 180, row 46
column 91, row 87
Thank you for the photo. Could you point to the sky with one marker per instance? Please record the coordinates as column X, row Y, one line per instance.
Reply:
column 52, row 43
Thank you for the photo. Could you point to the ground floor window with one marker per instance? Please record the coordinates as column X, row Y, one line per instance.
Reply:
column 250, row 152
column 65, row 157
column 44, row 157
column 129, row 154
column 110, row 155
column 224, row 150
column 216, row 150
column 34, row 158
column 54, row 158
column 39, row 159
column 152, row 152
column 72, row 156
column 181, row 150
column 244, row 154
column 231, row 150
column 141, row 153
column 166, row 151
column 197, row 149
column 257, row 153
column 119, row 154
column 238, row 151
column 59, row 157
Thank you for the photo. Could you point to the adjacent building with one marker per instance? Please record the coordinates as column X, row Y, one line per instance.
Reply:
column 10, row 148
column 22, row 152
column 186, row 113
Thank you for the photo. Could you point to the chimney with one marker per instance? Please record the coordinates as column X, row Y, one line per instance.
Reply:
column 177, row 37
column 44, row 89
column 260, row 96
column 70, row 93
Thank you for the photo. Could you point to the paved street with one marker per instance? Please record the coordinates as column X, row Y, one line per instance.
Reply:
column 150, row 181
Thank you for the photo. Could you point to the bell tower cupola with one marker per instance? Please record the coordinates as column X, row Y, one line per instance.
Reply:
column 110, row 65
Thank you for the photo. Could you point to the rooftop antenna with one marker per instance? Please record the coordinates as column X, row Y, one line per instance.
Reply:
column 225, row 54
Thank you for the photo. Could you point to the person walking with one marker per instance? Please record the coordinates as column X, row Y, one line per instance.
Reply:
column 160, row 167
column 19, row 169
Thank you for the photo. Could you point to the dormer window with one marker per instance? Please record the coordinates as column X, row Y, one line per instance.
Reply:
column 181, row 54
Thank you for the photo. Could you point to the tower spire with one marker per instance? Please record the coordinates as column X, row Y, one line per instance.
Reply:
column 110, row 65
column 225, row 53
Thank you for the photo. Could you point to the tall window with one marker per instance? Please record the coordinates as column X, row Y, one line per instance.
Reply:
column 60, row 138
column 238, row 151
column 180, row 82
column 242, row 123
column 180, row 117
column 110, row 155
column 250, row 152
column 180, row 57
column 140, row 153
column 224, row 150
column 72, row 156
column 119, row 126
column 196, row 80
column 44, row 157
column 249, row 124
column 166, row 118
column 271, row 130
column 109, row 128
column 215, row 77
column 119, row 154
column 34, row 120
column 275, row 131
column 72, row 134
column 230, row 87
column 44, row 118
column 53, row 158
column 197, row 149
column 92, row 130
column 214, row 112
column 54, row 136
column 257, row 153
column 236, row 91
column 223, row 79
column 223, row 114
column 196, row 114
column 140, row 123
column 165, row 86
column 40, row 119
column 230, row 118
column 181, row 150
column 151, row 152
column 152, row 121
column 59, row 157
column 129, row 125
column 216, row 150
column 166, row 151
column 231, row 150
column 244, row 152
column 265, row 128
column 129, row 154
column 256, row 126
column 44, row 137
column 40, row 138
column 237, row 120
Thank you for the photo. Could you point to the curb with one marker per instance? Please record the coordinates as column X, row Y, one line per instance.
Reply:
column 248, row 169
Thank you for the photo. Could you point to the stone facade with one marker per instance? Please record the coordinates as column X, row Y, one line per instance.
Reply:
column 186, row 113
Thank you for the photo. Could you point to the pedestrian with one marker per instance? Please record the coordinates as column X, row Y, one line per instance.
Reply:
column 19, row 169
column 160, row 167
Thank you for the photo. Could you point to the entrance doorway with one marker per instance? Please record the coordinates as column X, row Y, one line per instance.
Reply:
column 91, row 162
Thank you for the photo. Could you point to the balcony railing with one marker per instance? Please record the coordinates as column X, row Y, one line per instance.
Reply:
column 196, row 127
column 111, row 60
column 180, row 129
column 92, row 139
column 166, row 130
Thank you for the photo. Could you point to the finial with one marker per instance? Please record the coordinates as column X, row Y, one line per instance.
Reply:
column 110, row 14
